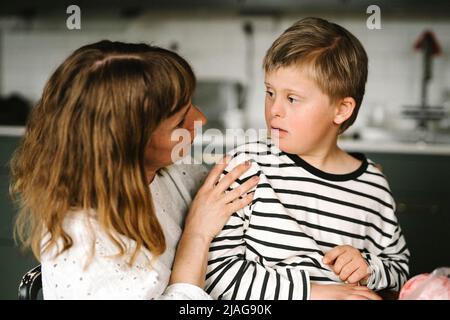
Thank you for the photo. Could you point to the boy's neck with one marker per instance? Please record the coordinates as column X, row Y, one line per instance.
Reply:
column 329, row 158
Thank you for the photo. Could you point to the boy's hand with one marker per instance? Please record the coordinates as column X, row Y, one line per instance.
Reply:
column 348, row 263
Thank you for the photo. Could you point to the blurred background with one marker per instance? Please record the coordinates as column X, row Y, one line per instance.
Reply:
column 404, row 122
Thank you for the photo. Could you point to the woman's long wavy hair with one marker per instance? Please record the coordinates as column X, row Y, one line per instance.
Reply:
column 85, row 142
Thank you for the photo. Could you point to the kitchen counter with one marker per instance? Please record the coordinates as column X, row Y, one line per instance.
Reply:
column 373, row 146
column 395, row 147
column 12, row 131
column 351, row 145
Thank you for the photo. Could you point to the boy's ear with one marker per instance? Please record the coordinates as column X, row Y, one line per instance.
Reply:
column 344, row 109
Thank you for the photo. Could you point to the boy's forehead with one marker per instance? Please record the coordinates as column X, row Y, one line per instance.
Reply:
column 293, row 79
column 288, row 75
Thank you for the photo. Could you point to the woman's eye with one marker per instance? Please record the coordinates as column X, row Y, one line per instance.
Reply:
column 269, row 93
column 292, row 100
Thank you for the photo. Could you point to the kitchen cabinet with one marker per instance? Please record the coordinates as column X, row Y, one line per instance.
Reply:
column 420, row 184
column 14, row 262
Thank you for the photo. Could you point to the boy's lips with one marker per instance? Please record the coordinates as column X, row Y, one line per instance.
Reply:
column 277, row 128
column 278, row 131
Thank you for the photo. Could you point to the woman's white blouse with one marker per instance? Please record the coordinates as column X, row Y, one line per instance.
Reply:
column 77, row 274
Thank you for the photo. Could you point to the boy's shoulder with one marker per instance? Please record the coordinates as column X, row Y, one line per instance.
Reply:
column 376, row 181
column 259, row 152
column 375, row 169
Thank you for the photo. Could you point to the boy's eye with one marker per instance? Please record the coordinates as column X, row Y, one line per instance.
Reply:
column 269, row 93
column 292, row 100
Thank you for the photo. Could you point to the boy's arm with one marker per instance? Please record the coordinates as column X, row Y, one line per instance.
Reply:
column 231, row 274
column 390, row 268
column 387, row 270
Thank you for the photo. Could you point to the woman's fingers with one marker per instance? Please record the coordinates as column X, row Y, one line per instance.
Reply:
column 369, row 294
column 356, row 297
column 215, row 172
column 231, row 177
column 361, row 288
column 240, row 203
column 361, row 293
column 241, row 190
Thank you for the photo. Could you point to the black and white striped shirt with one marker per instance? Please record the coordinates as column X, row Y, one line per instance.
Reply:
column 273, row 248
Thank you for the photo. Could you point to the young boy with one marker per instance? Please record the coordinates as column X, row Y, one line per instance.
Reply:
column 322, row 222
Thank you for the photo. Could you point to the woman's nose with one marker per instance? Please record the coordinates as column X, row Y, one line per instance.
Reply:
column 199, row 116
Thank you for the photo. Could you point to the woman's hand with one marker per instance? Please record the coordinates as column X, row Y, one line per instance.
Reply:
column 212, row 207
column 342, row 292
column 209, row 211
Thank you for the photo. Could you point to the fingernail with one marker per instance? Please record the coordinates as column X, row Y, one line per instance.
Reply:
column 247, row 163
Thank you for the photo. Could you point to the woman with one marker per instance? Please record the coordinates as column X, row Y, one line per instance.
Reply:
column 100, row 134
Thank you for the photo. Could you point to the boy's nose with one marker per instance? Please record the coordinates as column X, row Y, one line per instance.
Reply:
column 277, row 109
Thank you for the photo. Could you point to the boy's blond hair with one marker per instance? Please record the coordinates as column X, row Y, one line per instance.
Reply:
column 333, row 57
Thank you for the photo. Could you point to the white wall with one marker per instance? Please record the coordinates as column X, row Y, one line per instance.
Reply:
column 216, row 47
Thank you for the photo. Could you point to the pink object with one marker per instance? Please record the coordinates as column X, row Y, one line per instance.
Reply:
column 434, row 286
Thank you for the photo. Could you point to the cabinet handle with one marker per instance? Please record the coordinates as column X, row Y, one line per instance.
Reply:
column 401, row 207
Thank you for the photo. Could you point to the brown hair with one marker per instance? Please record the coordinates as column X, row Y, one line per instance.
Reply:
column 335, row 58
column 85, row 142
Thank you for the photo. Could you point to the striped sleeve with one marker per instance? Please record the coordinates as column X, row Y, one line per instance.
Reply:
column 389, row 264
column 233, row 274
column 389, row 268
